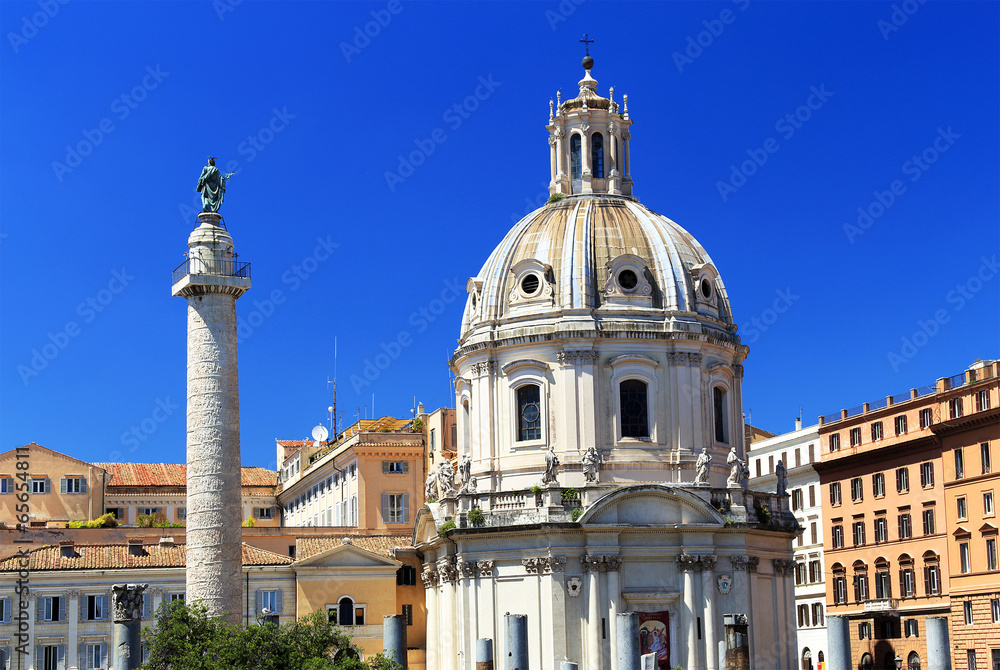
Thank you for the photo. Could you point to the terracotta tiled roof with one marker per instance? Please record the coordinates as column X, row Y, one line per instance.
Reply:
column 753, row 433
column 117, row 556
column 174, row 474
column 293, row 443
column 383, row 545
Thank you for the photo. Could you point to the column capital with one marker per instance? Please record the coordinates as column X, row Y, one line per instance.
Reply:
column 783, row 566
column 485, row 567
column 591, row 563
column 708, row 562
column 745, row 563
column 447, row 572
column 429, row 577
column 688, row 562
column 126, row 602
column 613, row 562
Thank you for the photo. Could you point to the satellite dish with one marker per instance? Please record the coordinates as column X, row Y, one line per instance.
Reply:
column 320, row 433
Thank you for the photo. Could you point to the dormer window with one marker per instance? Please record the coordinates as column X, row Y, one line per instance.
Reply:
column 628, row 282
column 597, row 155
column 532, row 287
column 530, row 284
column 706, row 298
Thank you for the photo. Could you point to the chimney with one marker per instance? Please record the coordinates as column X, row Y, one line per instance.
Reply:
column 420, row 409
column 135, row 547
column 798, row 423
column 166, row 541
column 66, row 549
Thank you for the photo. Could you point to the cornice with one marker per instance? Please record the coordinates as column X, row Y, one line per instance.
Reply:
column 919, row 444
column 967, row 422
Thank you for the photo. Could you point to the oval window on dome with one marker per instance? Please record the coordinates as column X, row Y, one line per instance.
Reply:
column 473, row 301
column 529, row 285
column 627, row 279
column 706, row 289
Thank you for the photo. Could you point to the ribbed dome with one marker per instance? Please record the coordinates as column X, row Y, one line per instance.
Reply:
column 581, row 248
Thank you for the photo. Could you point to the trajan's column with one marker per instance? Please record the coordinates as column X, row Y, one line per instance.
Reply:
column 211, row 279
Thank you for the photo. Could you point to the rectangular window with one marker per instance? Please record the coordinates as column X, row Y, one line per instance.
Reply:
column 812, row 453
column 40, row 485
column 96, row 607
column 928, row 518
column 812, row 533
column 835, row 442
column 926, row 475
column 902, row 480
column 855, row 437
column 905, row 528
column 900, row 423
column 396, row 507
column 770, row 465
column 6, row 484
column 859, row 533
column 959, row 464
column 995, row 609
column 812, row 496
column 839, row 590
column 817, row 614
column 408, row 614
column 865, row 630
column 988, row 503
column 796, row 500
column 925, row 418
column 838, row 537
column 857, row 489
column 876, row 431
column 800, row 574
column 94, row 657
column 984, row 455
column 177, row 596
column 798, row 457
column 906, row 583
column 955, row 407
column 149, row 511
column 395, row 467
column 962, row 512
column 433, row 438
column 529, row 413
column 910, row 625
column 182, row 513
column 878, row 485
column 73, row 485
column 53, row 608
column 970, row 658
column 406, row 576
column 757, row 462
column 881, row 530
column 967, row 607
column 52, row 657
column 983, row 400
column 932, row 580
column 815, row 572
column 991, row 553
column 835, row 493
column 963, row 553
column 264, row 512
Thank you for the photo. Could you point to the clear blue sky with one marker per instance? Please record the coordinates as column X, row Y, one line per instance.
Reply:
column 316, row 115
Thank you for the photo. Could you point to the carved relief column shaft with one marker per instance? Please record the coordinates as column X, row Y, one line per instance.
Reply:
column 708, row 612
column 126, row 609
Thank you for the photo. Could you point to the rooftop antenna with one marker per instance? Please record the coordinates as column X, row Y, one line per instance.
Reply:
column 333, row 410
column 373, row 405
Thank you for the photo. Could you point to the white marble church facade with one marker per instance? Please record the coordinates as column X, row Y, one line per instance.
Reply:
column 598, row 360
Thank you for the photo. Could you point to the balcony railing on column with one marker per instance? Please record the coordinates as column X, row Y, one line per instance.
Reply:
column 212, row 266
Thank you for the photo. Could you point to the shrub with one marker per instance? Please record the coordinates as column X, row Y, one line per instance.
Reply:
column 576, row 513
column 249, row 523
column 569, row 494
column 104, row 521
column 536, row 489
column 445, row 527
column 476, row 517
column 555, row 197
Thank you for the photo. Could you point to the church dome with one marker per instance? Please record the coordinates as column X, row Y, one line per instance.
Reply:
column 600, row 254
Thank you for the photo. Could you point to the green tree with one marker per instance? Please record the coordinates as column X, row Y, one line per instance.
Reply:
column 187, row 638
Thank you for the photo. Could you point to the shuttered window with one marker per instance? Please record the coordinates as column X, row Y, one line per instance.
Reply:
column 396, row 508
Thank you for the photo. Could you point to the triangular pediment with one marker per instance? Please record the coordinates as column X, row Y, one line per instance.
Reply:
column 347, row 556
column 988, row 529
column 83, row 465
column 961, row 531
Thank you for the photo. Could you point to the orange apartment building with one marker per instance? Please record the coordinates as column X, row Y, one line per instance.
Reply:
column 969, row 432
column 887, row 472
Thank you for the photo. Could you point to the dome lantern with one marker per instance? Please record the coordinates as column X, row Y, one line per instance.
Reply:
column 589, row 140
